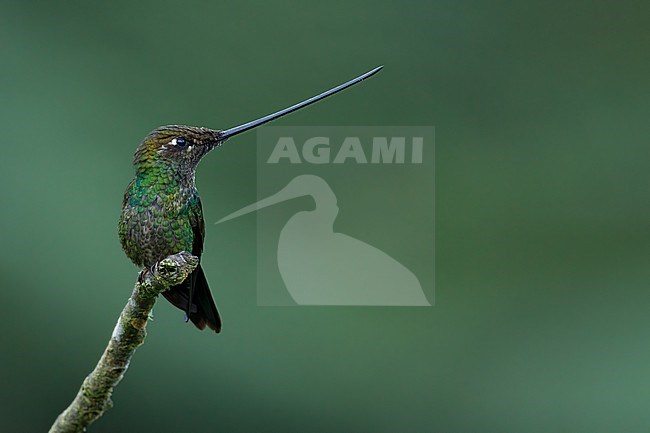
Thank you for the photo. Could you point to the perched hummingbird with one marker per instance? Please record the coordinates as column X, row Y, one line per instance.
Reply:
column 161, row 210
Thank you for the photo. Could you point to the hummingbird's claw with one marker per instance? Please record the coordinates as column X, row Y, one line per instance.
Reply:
column 141, row 275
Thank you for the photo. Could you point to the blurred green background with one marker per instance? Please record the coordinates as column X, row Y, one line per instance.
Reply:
column 542, row 246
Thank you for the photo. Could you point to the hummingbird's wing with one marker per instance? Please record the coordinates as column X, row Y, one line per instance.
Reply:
column 207, row 313
column 193, row 295
column 198, row 226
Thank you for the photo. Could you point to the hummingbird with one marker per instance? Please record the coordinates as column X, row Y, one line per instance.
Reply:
column 161, row 210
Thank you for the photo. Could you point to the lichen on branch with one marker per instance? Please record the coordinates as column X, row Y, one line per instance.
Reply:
column 94, row 396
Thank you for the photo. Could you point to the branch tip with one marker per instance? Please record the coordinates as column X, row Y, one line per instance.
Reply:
column 93, row 398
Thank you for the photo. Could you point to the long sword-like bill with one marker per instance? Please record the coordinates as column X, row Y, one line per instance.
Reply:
column 262, row 120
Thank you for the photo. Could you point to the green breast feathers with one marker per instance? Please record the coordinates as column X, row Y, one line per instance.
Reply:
column 160, row 217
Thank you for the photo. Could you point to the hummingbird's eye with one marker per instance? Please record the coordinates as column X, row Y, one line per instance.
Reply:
column 181, row 142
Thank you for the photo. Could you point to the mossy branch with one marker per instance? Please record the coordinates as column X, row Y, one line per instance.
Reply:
column 94, row 396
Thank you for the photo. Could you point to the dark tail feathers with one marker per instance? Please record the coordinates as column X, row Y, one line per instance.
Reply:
column 204, row 311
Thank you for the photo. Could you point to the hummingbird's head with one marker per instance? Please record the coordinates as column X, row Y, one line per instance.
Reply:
column 182, row 147
column 177, row 146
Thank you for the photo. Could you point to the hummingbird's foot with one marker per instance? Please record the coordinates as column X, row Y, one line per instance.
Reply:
column 144, row 272
column 141, row 275
column 187, row 319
